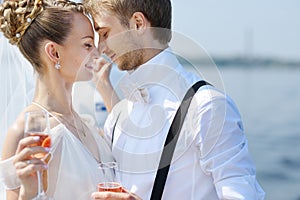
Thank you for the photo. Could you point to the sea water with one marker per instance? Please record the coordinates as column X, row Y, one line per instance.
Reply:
column 269, row 102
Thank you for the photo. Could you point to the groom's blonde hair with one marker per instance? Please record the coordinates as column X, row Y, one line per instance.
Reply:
column 158, row 12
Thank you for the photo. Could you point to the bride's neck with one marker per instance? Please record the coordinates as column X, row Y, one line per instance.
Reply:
column 54, row 94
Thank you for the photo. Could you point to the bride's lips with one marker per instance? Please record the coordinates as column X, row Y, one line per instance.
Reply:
column 89, row 67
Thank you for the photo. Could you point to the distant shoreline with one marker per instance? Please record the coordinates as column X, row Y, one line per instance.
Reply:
column 255, row 62
column 240, row 61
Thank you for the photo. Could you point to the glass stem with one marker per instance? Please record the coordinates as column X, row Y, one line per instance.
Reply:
column 40, row 184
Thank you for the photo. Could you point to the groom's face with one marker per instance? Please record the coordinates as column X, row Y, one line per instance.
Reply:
column 118, row 41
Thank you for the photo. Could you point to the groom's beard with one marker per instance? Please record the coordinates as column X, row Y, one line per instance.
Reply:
column 131, row 60
column 132, row 52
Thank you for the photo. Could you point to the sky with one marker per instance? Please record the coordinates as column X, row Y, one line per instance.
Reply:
column 261, row 28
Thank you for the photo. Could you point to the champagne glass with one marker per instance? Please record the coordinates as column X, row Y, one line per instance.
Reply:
column 37, row 124
column 110, row 181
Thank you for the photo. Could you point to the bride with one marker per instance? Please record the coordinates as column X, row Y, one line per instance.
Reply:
column 58, row 41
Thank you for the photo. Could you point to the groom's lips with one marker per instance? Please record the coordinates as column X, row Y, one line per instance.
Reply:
column 112, row 57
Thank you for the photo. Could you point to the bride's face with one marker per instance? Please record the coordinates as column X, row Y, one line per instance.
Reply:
column 78, row 51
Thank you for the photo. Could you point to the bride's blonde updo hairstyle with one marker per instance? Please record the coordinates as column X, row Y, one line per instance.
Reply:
column 27, row 23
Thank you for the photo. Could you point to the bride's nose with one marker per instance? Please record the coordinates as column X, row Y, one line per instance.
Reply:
column 95, row 53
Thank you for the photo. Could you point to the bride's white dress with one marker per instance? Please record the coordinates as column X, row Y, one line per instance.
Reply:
column 73, row 171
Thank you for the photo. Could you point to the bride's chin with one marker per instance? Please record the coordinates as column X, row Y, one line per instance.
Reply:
column 83, row 79
column 85, row 76
column 89, row 77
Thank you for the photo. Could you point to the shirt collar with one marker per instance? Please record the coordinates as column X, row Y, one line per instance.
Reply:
column 135, row 84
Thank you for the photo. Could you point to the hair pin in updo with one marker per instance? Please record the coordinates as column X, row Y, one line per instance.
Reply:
column 18, row 14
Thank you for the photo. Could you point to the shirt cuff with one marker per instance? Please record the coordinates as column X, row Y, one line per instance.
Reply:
column 240, row 188
column 8, row 175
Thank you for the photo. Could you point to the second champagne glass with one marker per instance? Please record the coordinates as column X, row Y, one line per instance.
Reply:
column 110, row 180
column 37, row 124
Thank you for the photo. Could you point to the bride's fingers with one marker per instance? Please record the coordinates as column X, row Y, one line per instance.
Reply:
column 28, row 153
column 28, row 163
column 47, row 158
column 23, row 143
column 100, row 63
column 28, row 167
column 102, row 73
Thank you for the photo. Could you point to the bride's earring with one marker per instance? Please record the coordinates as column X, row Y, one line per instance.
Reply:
column 57, row 65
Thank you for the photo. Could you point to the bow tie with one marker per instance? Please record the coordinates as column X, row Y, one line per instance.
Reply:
column 135, row 93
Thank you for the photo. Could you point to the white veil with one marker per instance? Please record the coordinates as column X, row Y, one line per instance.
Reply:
column 16, row 88
column 17, row 84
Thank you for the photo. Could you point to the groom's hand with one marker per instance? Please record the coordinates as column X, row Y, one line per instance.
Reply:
column 125, row 195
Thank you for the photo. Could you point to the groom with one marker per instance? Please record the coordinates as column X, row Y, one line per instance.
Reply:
column 211, row 159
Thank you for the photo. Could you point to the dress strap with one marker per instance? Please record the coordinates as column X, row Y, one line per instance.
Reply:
column 43, row 108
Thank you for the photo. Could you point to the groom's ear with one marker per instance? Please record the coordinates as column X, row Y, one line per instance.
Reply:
column 139, row 22
column 51, row 51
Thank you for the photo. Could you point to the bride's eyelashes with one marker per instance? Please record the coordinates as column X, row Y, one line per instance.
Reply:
column 88, row 45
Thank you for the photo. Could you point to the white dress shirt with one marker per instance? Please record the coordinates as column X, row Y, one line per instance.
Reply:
column 211, row 159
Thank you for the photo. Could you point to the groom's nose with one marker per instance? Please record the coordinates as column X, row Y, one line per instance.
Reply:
column 102, row 47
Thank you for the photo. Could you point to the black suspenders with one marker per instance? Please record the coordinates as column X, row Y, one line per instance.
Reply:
column 171, row 140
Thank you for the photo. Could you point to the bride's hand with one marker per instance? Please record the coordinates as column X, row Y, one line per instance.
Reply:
column 26, row 165
column 102, row 69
